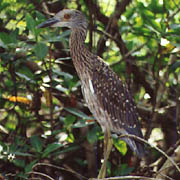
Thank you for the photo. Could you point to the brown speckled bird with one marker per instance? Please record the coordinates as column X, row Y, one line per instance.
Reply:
column 106, row 96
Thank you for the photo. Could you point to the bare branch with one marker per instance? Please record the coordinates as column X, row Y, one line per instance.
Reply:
column 158, row 149
column 60, row 168
column 127, row 177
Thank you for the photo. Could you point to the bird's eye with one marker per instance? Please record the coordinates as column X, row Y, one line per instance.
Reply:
column 67, row 16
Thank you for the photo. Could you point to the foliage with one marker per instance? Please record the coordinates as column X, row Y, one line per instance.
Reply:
column 44, row 122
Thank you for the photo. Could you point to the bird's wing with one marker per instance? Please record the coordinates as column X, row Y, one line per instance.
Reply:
column 115, row 99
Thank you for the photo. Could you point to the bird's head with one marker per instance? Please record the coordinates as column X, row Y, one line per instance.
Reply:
column 66, row 18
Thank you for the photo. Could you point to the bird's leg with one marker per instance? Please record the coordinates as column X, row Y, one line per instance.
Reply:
column 107, row 149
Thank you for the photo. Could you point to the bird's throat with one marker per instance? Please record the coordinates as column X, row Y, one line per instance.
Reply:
column 77, row 39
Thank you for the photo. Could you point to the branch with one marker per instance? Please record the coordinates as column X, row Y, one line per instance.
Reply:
column 158, row 149
column 97, row 12
column 127, row 177
column 60, row 168
column 41, row 174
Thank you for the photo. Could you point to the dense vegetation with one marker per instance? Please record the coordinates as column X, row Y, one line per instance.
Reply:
column 46, row 130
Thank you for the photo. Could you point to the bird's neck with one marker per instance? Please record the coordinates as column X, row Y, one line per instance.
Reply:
column 81, row 56
column 77, row 45
column 78, row 34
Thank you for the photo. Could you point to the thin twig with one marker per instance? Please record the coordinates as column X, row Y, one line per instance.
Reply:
column 167, row 177
column 127, row 177
column 170, row 151
column 128, row 54
column 161, row 170
column 173, row 14
column 158, row 149
column 60, row 168
column 115, row 40
column 41, row 174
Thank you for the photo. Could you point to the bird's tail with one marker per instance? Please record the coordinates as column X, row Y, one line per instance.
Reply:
column 136, row 146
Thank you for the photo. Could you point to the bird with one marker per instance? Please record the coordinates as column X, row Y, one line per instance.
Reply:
column 106, row 96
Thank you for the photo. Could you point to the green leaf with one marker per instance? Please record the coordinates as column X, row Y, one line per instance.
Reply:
column 27, row 73
column 9, row 83
column 156, row 25
column 62, row 89
column 156, row 7
column 5, row 38
column 11, row 122
column 3, row 5
column 79, row 113
column 19, row 162
column 41, row 50
column 69, row 120
column 147, row 13
column 70, row 138
column 2, row 44
column 80, row 124
column 120, row 145
column 29, row 167
column 63, row 59
column 23, row 76
column 175, row 26
column 40, row 15
column 129, row 13
column 36, row 143
column 30, row 23
column 22, row 154
column 50, row 148
column 66, row 75
column 149, row 19
column 170, row 5
column 67, row 149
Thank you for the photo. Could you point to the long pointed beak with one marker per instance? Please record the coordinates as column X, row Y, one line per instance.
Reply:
column 48, row 23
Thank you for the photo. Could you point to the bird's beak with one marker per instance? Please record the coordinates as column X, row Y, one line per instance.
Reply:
column 48, row 23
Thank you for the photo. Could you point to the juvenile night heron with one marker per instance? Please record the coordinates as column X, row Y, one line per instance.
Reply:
column 106, row 96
